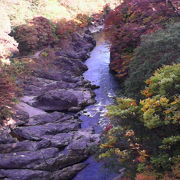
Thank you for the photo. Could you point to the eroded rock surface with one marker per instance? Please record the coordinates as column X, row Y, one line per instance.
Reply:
column 45, row 144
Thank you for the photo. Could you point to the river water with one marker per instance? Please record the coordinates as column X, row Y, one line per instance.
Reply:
column 94, row 115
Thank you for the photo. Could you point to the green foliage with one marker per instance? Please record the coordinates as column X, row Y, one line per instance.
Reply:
column 164, row 82
column 160, row 111
column 170, row 142
column 145, row 134
column 161, row 162
column 129, row 110
column 155, row 50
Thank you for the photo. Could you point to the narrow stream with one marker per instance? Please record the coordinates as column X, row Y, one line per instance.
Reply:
column 94, row 115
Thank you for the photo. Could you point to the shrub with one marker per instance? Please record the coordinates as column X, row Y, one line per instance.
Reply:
column 7, row 93
column 164, row 82
column 9, row 73
column 37, row 33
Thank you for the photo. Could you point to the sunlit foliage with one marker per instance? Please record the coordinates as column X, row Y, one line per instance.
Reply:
column 20, row 11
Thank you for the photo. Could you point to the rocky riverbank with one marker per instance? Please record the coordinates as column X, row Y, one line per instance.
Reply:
column 44, row 140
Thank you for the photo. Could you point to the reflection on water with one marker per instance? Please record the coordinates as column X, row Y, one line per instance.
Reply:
column 94, row 116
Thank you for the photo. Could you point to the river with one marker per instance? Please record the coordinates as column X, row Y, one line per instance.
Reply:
column 94, row 115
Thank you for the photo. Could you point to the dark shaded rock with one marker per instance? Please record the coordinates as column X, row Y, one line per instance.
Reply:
column 24, row 146
column 48, row 118
column 56, row 100
column 82, row 141
column 5, row 137
column 83, row 44
column 61, row 161
column 60, row 85
column 26, row 159
column 64, row 100
column 24, row 174
column 21, row 117
column 59, row 140
column 73, row 66
column 37, row 132
column 52, row 74
column 68, row 173
column 76, row 53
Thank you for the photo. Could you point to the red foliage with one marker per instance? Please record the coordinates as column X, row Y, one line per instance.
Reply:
column 37, row 33
column 108, row 127
column 7, row 93
column 128, row 22
column 65, row 27
column 145, row 177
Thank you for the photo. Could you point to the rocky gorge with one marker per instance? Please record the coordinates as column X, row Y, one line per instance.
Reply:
column 44, row 139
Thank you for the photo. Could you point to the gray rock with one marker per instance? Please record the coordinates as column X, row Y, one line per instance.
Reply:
column 5, row 137
column 31, row 111
column 47, row 146
column 83, row 141
column 68, row 173
column 24, row 146
column 61, row 161
column 37, row 132
column 21, row 117
column 65, row 100
column 75, row 67
column 59, row 140
column 48, row 118
column 26, row 159
column 56, row 100
column 53, row 75
column 25, row 174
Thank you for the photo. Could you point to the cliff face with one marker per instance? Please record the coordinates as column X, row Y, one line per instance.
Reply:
column 129, row 21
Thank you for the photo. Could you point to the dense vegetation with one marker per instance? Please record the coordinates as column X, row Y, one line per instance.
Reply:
column 128, row 22
column 143, row 134
column 155, row 50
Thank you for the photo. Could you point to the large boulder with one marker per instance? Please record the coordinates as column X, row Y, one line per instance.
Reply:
column 68, row 173
column 48, row 118
column 24, row 146
column 64, row 100
column 74, row 66
column 26, row 159
column 37, row 132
